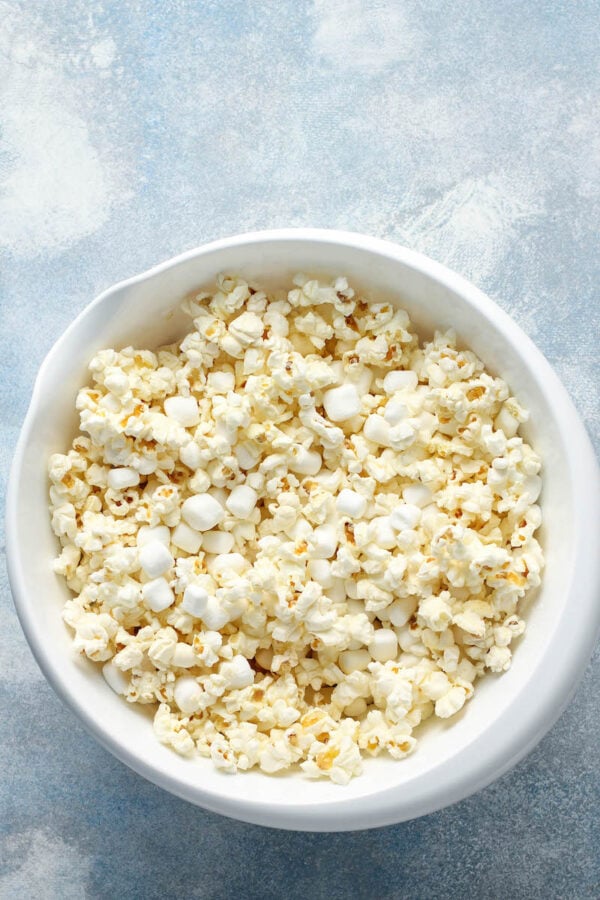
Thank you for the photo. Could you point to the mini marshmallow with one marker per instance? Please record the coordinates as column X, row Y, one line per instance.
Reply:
column 394, row 412
column 384, row 645
column 191, row 456
column 146, row 535
column 405, row 516
column 417, row 495
column 122, row 478
column 377, row 430
column 217, row 542
column 195, row 599
column 188, row 694
column 320, row 571
column 238, row 672
column 305, row 462
column 247, row 456
column 202, row 512
column 400, row 381
column 221, row 382
column 183, row 410
column 157, row 594
column 186, row 538
column 349, row 503
column 381, row 532
column 115, row 678
column 354, row 661
column 241, row 501
column 324, row 542
column 155, row 559
column 341, row 403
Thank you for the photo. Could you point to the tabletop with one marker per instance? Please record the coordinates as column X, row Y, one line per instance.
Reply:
column 132, row 131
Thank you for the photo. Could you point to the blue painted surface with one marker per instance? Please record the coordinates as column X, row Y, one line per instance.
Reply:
column 132, row 131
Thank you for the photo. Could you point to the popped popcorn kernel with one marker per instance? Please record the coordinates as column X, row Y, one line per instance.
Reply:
column 299, row 532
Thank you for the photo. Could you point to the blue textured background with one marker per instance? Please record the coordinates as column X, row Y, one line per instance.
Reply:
column 469, row 129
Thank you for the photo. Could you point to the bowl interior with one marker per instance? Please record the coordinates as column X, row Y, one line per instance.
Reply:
column 145, row 313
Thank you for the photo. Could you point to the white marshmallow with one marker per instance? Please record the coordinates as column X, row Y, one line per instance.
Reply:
column 247, row 456
column 217, row 542
column 194, row 600
column 400, row 381
column 183, row 410
column 377, row 430
column 305, row 462
column 122, row 478
column 191, row 456
column 381, row 532
column 353, row 661
column 214, row 616
column 221, row 382
column 202, row 512
column 184, row 656
column 238, row 672
column 155, row 559
column 241, row 501
column 186, row 538
column 341, row 403
column 405, row 516
column 320, row 571
column 158, row 595
column 349, row 503
column 384, row 645
column 417, row 495
column 188, row 694
column 147, row 534
column 324, row 542
column 394, row 412
column 115, row 678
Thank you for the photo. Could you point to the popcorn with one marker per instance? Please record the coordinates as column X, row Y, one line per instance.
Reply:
column 298, row 533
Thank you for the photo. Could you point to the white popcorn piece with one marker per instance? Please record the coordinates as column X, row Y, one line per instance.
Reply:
column 122, row 478
column 405, row 516
column 237, row 672
column 188, row 694
column 417, row 495
column 400, row 381
column 305, row 462
column 183, row 410
column 202, row 512
column 241, row 501
column 183, row 656
column 155, row 558
column 300, row 531
column 157, row 594
column 341, row 403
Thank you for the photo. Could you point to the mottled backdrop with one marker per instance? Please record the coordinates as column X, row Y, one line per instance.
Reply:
column 468, row 129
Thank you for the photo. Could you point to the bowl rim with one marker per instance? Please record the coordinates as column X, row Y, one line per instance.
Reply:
column 551, row 688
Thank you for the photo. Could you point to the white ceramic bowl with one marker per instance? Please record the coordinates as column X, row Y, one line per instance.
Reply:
column 508, row 714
